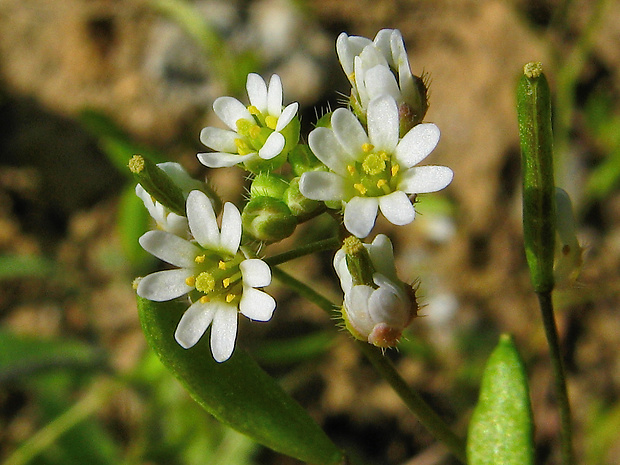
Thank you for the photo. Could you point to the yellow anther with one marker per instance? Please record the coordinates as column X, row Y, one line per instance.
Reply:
column 271, row 121
column 230, row 298
column 395, row 169
column 381, row 183
column 360, row 188
column 190, row 281
column 204, row 299
column 255, row 131
column 221, row 265
column 253, row 110
column 243, row 148
column 199, row 259
column 351, row 169
column 384, row 156
column 367, row 148
column 226, row 282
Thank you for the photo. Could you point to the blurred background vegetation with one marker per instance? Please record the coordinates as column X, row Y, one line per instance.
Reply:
column 86, row 84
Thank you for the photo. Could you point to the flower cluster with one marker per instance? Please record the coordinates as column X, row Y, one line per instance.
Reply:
column 358, row 161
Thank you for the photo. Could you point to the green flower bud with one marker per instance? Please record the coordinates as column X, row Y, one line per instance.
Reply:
column 302, row 159
column 258, row 165
column 268, row 219
column 268, row 185
column 299, row 205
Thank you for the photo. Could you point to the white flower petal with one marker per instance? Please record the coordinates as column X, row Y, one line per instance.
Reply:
column 424, row 179
column 322, row 185
column 272, row 147
column 360, row 215
column 340, row 265
column 287, row 115
column 349, row 132
column 194, row 323
column 397, row 208
column 224, row 332
column 383, row 43
column 230, row 237
column 327, row 149
column 222, row 159
column 386, row 306
column 382, row 256
column 164, row 285
column 380, row 81
column 170, row 248
column 257, row 91
column 275, row 96
column 255, row 272
column 347, row 48
column 257, row 305
column 356, row 308
column 383, row 124
column 202, row 222
column 218, row 139
column 230, row 110
column 417, row 144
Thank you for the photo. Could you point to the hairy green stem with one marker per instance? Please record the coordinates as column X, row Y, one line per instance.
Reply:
column 418, row 406
column 326, row 244
column 561, row 392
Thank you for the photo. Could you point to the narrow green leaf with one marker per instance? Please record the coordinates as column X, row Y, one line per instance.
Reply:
column 237, row 392
column 133, row 221
column 534, row 113
column 501, row 427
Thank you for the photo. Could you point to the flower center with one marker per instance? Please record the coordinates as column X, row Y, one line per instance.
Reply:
column 253, row 134
column 216, row 277
column 375, row 175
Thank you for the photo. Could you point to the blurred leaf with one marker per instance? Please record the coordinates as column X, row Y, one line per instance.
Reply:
column 25, row 266
column 602, row 433
column 296, row 349
column 237, row 392
column 115, row 143
column 23, row 355
column 501, row 427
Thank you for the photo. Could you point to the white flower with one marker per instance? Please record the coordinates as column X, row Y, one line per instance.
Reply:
column 374, row 170
column 373, row 67
column 256, row 131
column 376, row 312
column 220, row 280
column 164, row 218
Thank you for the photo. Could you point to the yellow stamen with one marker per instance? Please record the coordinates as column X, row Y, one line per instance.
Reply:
column 367, row 148
column 271, row 121
column 204, row 299
column 199, row 259
column 395, row 169
column 226, row 282
column 221, row 265
column 230, row 298
column 361, row 189
column 351, row 169
column 190, row 281
column 253, row 110
column 255, row 131
column 381, row 183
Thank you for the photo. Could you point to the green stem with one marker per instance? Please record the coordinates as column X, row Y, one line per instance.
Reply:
column 546, row 308
column 418, row 406
column 326, row 244
column 98, row 395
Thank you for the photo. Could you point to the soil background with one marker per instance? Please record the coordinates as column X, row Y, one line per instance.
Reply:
column 60, row 196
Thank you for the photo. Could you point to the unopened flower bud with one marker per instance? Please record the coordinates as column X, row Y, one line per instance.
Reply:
column 268, row 219
column 377, row 306
column 268, row 185
column 302, row 159
column 299, row 205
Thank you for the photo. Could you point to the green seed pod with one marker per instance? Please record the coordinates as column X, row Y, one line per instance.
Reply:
column 534, row 113
column 268, row 219
column 501, row 428
column 157, row 183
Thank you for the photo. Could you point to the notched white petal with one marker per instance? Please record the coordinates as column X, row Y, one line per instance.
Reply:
column 273, row 146
column 255, row 272
column 194, row 323
column 230, row 236
column 322, row 185
column 202, row 222
column 349, row 132
column 327, row 149
column 169, row 248
column 257, row 91
column 417, row 144
column 397, row 208
column 383, row 124
column 275, row 96
column 257, row 305
column 425, row 179
column 164, row 285
column 360, row 215
column 224, row 332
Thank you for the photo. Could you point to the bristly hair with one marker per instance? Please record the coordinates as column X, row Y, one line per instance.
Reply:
column 322, row 111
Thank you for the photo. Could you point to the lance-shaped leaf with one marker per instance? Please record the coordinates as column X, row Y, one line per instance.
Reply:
column 237, row 392
column 501, row 427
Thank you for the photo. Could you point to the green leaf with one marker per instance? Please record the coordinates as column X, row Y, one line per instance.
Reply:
column 237, row 392
column 501, row 427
